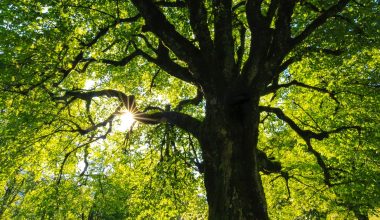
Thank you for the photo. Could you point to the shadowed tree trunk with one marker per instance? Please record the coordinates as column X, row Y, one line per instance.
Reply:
column 229, row 139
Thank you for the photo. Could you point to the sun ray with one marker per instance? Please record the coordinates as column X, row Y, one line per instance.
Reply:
column 127, row 119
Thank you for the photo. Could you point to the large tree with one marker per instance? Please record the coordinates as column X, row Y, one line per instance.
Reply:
column 258, row 90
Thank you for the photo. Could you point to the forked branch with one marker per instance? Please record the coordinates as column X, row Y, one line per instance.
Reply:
column 273, row 88
column 157, row 23
column 308, row 135
column 181, row 120
column 194, row 101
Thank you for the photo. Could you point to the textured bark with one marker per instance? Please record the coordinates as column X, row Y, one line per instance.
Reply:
column 229, row 140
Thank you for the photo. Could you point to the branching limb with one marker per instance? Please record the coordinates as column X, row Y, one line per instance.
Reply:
column 89, row 95
column 282, row 31
column 73, row 65
column 157, row 23
column 254, row 16
column 350, row 22
column 319, row 21
column 238, row 5
column 68, row 154
column 80, row 56
column 321, row 163
column 273, row 88
column 181, row 120
column 89, row 8
column 171, row 67
column 85, row 160
column 223, row 40
column 305, row 52
column 126, row 101
column 178, row 119
column 198, row 164
column 163, row 61
column 285, row 175
column 83, row 131
column 124, row 61
column 198, row 22
column 311, row 6
column 104, row 31
column 241, row 49
column 257, row 62
column 267, row 165
column 307, row 136
column 273, row 6
column 194, row 101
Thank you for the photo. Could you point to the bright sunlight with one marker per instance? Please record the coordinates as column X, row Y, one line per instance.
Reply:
column 126, row 120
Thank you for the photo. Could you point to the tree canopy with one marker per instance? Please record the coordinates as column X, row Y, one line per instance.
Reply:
column 282, row 96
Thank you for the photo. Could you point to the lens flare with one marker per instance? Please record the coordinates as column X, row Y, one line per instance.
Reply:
column 127, row 119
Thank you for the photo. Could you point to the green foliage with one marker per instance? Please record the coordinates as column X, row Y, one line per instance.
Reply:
column 49, row 171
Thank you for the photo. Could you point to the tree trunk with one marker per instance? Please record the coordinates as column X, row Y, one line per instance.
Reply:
column 229, row 144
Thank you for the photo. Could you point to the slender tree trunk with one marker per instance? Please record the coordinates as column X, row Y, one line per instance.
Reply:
column 232, row 179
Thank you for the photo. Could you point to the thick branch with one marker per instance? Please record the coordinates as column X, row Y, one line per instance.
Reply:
column 254, row 17
column 238, row 5
column 268, row 165
column 108, row 121
column 262, row 36
column 172, row 68
column 178, row 119
column 198, row 22
column 282, row 30
column 160, row 26
column 89, row 95
column 223, row 43
column 311, row 6
column 305, row 134
column 124, row 61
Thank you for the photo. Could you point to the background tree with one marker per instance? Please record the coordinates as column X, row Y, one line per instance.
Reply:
column 271, row 102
